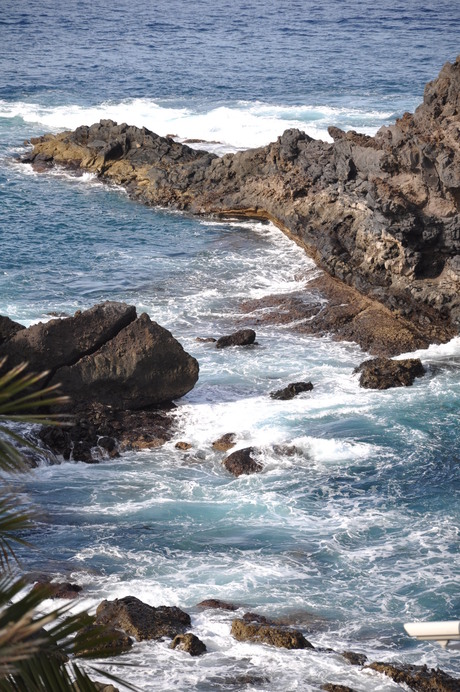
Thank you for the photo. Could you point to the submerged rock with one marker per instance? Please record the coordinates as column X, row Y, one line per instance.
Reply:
column 59, row 589
column 241, row 462
column 190, row 643
column 269, row 634
column 216, row 603
column 225, row 442
column 333, row 687
column 383, row 373
column 292, row 390
column 243, row 337
column 141, row 620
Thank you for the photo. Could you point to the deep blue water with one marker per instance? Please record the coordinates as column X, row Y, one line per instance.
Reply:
column 360, row 529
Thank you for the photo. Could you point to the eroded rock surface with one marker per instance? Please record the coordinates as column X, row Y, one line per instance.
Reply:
column 383, row 373
column 292, row 390
column 381, row 214
column 242, row 462
column 141, row 620
column 419, row 678
column 190, row 643
column 261, row 633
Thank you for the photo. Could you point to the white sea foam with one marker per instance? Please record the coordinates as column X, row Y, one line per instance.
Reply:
column 239, row 126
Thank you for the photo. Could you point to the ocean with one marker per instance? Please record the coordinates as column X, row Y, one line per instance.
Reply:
column 358, row 531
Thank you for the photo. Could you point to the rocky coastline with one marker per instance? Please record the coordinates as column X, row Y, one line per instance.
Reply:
column 380, row 215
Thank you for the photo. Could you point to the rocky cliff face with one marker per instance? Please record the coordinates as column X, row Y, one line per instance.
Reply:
column 381, row 214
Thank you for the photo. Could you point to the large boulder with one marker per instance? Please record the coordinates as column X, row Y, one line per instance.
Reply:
column 383, row 373
column 141, row 366
column 280, row 637
column 51, row 345
column 241, row 462
column 141, row 620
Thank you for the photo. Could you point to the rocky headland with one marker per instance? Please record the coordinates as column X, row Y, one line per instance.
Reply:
column 381, row 215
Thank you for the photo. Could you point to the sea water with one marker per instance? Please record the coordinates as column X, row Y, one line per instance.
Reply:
column 357, row 531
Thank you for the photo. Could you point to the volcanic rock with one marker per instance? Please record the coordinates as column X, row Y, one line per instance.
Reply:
column 142, row 365
column 419, row 678
column 333, row 687
column 225, row 442
column 268, row 634
column 59, row 589
column 190, row 643
column 241, row 462
column 354, row 658
column 383, row 373
column 380, row 214
column 216, row 603
column 8, row 328
column 51, row 345
column 102, row 640
column 142, row 621
column 184, row 446
column 243, row 337
column 292, row 390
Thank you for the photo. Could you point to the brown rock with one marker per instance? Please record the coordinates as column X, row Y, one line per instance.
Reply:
column 383, row 373
column 59, row 589
column 51, row 345
column 332, row 687
column 216, row 603
column 243, row 337
column 184, row 446
column 141, row 366
column 97, row 641
column 292, row 390
column 141, row 620
column 419, row 678
column 269, row 634
column 190, row 643
column 225, row 442
column 241, row 462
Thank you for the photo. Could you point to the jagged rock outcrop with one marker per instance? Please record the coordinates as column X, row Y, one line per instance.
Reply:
column 116, row 368
column 243, row 337
column 141, row 620
column 261, row 633
column 418, row 678
column 383, row 373
column 382, row 213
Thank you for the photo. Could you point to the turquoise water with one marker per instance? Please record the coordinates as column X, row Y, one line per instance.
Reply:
column 358, row 531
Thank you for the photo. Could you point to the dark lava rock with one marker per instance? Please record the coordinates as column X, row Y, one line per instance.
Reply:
column 241, row 462
column 8, row 329
column 332, row 687
column 141, row 366
column 354, row 658
column 101, row 640
column 189, row 643
column 224, row 443
column 51, row 345
column 292, row 390
column 59, row 589
column 269, row 634
column 243, row 337
column 419, row 678
column 216, row 603
column 89, row 438
column 383, row 373
column 142, row 621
